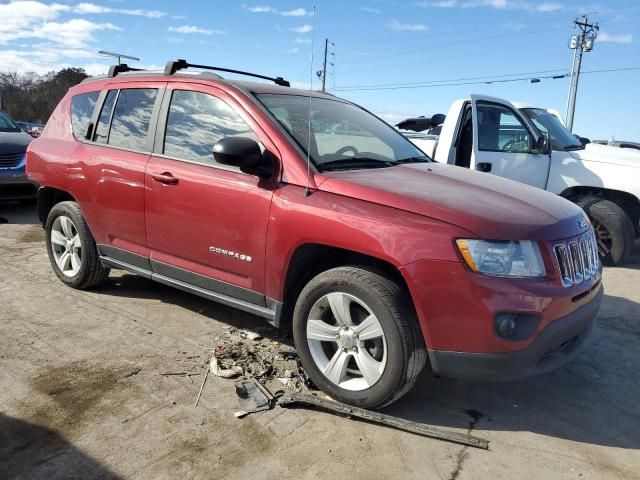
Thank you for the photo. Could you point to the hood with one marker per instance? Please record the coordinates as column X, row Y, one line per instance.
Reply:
column 14, row 142
column 491, row 207
column 594, row 152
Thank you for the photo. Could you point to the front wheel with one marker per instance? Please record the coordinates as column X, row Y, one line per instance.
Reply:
column 613, row 227
column 357, row 336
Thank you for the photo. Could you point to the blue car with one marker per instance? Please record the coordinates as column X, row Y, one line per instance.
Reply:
column 14, row 184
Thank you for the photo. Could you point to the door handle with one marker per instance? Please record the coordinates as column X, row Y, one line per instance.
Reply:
column 484, row 167
column 165, row 177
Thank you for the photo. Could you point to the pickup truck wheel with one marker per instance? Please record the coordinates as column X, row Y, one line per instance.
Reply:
column 72, row 250
column 357, row 336
column 613, row 228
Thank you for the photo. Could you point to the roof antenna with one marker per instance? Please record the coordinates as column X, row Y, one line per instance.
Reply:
column 307, row 191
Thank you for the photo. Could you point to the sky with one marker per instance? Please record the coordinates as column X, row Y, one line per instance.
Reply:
column 396, row 58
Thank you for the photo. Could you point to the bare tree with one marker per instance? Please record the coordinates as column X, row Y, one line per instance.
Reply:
column 30, row 97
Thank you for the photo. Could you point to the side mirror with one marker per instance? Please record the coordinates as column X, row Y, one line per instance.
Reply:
column 244, row 153
column 542, row 145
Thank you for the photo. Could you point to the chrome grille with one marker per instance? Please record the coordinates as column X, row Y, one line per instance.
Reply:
column 10, row 160
column 578, row 259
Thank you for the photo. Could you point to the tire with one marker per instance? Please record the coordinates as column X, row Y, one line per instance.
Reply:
column 81, row 269
column 613, row 227
column 395, row 344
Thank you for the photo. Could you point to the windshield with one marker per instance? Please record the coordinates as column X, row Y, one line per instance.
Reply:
column 6, row 124
column 342, row 135
column 561, row 138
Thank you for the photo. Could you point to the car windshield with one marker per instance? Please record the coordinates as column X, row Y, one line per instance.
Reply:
column 561, row 138
column 6, row 124
column 343, row 136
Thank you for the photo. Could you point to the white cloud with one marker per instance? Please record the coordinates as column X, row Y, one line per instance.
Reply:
column 514, row 26
column 293, row 50
column 407, row 27
column 544, row 7
column 549, row 7
column 194, row 29
column 306, row 28
column 92, row 8
column 302, row 41
column 296, row 12
column 370, row 10
column 615, row 37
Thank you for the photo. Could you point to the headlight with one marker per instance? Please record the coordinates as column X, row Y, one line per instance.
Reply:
column 519, row 258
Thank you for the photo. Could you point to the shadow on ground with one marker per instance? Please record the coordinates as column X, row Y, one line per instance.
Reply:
column 31, row 451
column 592, row 400
column 23, row 212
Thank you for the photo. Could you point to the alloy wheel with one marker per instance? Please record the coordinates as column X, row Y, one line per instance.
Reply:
column 603, row 236
column 346, row 341
column 66, row 246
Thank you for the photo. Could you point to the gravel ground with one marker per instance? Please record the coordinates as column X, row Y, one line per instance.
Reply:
column 82, row 393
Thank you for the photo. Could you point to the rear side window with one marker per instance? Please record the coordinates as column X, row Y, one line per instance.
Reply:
column 131, row 118
column 82, row 107
column 196, row 122
column 102, row 129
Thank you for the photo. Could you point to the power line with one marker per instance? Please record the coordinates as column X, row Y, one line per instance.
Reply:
column 451, row 80
column 492, row 80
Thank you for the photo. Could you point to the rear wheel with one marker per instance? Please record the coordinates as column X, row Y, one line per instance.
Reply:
column 72, row 250
column 613, row 227
column 357, row 336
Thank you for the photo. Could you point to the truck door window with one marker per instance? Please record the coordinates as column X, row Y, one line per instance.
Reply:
column 500, row 130
column 196, row 122
column 131, row 118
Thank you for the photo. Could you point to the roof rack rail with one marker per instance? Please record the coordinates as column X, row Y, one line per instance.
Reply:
column 121, row 68
column 173, row 66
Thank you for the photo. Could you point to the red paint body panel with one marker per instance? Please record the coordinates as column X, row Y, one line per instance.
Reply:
column 407, row 215
column 456, row 307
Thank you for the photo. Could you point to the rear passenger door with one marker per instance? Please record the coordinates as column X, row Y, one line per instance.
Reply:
column 114, row 158
column 206, row 222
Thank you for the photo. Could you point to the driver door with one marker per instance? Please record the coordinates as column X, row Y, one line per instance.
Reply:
column 503, row 143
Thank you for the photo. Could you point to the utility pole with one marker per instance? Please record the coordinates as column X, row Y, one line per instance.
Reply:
column 580, row 43
column 324, row 65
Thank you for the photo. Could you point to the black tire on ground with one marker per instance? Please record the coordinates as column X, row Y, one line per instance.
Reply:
column 91, row 272
column 391, row 304
column 606, row 216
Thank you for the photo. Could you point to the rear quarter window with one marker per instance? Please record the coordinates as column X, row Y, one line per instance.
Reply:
column 82, row 107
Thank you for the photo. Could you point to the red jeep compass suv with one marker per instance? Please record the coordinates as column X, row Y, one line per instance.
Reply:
column 311, row 212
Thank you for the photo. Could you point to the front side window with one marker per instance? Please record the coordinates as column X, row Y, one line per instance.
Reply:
column 102, row 129
column 549, row 125
column 82, row 107
column 196, row 122
column 342, row 134
column 131, row 118
column 500, row 130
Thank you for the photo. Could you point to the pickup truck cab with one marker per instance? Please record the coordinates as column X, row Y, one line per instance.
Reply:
column 510, row 140
column 311, row 212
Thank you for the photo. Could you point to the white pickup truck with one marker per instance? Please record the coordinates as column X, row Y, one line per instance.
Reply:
column 511, row 140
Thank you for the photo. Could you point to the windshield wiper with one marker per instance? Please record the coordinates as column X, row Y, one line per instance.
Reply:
column 354, row 163
column 421, row 159
column 573, row 147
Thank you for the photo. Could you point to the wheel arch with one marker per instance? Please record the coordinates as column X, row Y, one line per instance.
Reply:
column 47, row 198
column 628, row 202
column 311, row 259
